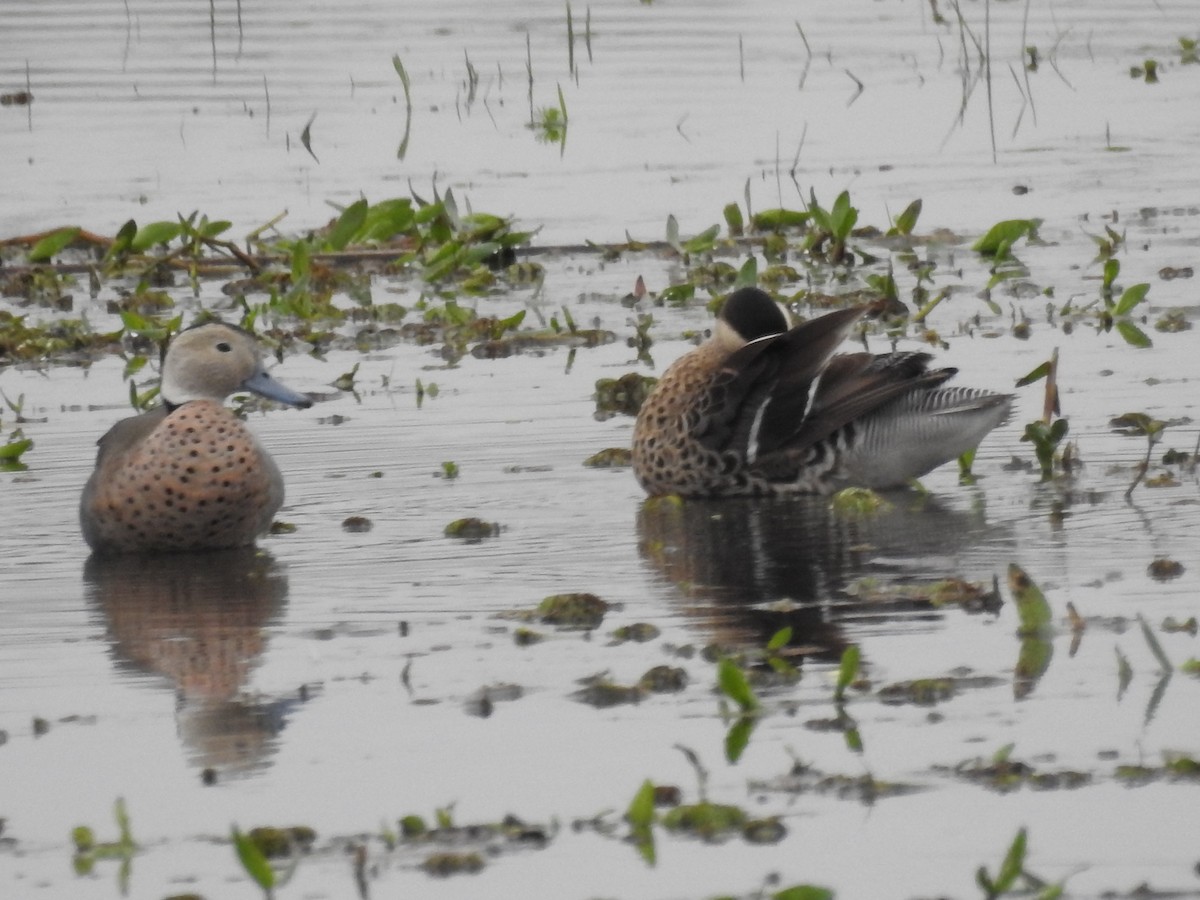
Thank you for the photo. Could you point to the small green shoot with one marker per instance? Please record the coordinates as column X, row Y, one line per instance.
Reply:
column 1032, row 607
column 733, row 684
column 847, row 671
column 803, row 892
column 903, row 224
column 550, row 123
column 254, row 861
column 449, row 470
column 831, row 228
column 1139, row 424
column 53, row 244
column 998, row 241
column 88, row 851
column 402, row 150
column 1010, row 870
column 640, row 816
column 1164, row 662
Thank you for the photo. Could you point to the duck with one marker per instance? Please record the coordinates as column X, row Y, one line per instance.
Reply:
column 189, row 475
column 761, row 408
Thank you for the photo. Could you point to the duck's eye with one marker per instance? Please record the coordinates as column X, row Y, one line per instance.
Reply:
column 224, row 346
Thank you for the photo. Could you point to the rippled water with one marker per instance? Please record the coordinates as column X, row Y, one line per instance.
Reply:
column 335, row 681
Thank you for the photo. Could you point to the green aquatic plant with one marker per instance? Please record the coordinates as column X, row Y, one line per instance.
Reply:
column 702, row 243
column 998, row 241
column 1035, row 631
column 640, row 816
column 1011, row 877
column 903, row 224
column 847, row 671
column 16, row 444
column 1188, row 55
column 88, row 850
column 549, row 124
column 830, row 229
column 1139, row 425
column 732, row 682
column 1117, row 313
column 402, row 149
column 1047, row 433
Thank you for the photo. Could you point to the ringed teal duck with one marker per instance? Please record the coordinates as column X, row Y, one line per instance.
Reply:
column 188, row 475
column 760, row 409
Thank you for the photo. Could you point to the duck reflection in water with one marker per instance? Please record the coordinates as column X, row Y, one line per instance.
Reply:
column 746, row 568
column 198, row 620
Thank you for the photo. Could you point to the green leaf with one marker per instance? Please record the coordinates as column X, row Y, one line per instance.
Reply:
column 1155, row 646
column 123, row 829
column 738, row 737
column 253, row 860
column 214, row 229
column 306, row 136
column 349, row 223
column 301, row 265
column 123, row 242
column 779, row 639
column 673, row 232
column 1014, row 862
column 1032, row 608
column 1112, row 268
column 153, row 234
column 907, row 220
column 747, row 275
column 779, row 219
column 843, row 216
column 1036, row 375
column 399, row 67
column 1132, row 297
column 703, row 242
column 1003, row 235
column 847, row 670
column 14, row 448
column 53, row 243
column 803, row 892
column 640, row 816
column 733, row 683
column 1133, row 335
column 733, row 220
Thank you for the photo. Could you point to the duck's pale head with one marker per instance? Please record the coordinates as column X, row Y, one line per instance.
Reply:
column 212, row 361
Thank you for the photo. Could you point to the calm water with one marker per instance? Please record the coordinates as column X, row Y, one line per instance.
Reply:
column 291, row 675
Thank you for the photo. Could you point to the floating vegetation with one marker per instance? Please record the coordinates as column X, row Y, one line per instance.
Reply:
column 624, row 395
column 577, row 610
column 471, row 529
column 1163, row 569
column 806, row 779
column 88, row 851
column 602, row 692
column 610, row 458
column 1003, row 773
column 638, row 632
column 972, row 596
column 1175, row 767
column 279, row 843
column 858, row 503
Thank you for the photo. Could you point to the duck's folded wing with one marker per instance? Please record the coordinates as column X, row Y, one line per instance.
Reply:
column 853, row 386
column 763, row 389
column 127, row 434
